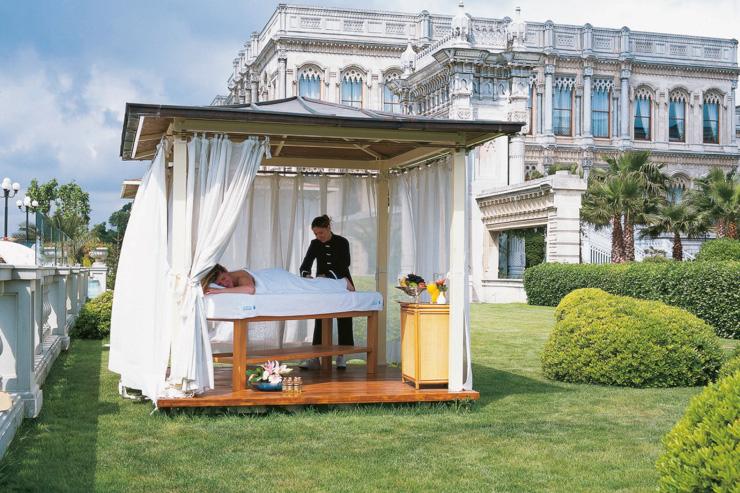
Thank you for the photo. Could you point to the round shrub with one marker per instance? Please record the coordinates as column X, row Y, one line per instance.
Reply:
column 93, row 321
column 703, row 449
column 719, row 249
column 616, row 340
column 732, row 364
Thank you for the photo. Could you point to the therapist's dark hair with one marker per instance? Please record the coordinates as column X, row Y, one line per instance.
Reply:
column 321, row 222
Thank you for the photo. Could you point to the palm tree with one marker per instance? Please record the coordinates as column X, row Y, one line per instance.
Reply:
column 679, row 219
column 628, row 189
column 649, row 177
column 603, row 205
column 717, row 198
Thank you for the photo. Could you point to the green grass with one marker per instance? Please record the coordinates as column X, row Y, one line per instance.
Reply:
column 525, row 434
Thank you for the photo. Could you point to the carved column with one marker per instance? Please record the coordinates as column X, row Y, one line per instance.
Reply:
column 549, row 72
column 624, row 105
column 255, row 89
column 731, row 116
column 588, row 72
column 282, row 74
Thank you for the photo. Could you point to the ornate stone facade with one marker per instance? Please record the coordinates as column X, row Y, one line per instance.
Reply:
column 584, row 92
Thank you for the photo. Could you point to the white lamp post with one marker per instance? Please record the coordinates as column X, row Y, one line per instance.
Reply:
column 9, row 191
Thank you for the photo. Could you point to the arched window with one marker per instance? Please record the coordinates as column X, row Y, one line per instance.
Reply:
column 643, row 115
column 352, row 88
column 711, row 118
column 562, row 106
column 677, row 117
column 677, row 189
column 309, row 83
column 391, row 101
column 600, row 97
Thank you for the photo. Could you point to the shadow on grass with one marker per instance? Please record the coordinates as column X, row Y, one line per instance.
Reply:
column 57, row 450
column 494, row 384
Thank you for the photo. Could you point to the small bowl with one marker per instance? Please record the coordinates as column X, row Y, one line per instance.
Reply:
column 267, row 386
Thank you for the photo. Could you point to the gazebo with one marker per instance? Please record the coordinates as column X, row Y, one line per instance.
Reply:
column 152, row 308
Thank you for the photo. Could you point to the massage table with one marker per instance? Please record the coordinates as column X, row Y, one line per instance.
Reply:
column 243, row 309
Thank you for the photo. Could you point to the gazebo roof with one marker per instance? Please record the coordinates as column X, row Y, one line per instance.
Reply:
column 311, row 133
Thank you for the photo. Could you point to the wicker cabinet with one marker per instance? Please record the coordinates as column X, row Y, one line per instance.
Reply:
column 424, row 343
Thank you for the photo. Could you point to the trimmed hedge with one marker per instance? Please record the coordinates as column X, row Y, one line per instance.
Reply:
column 617, row 340
column 709, row 290
column 703, row 449
column 732, row 364
column 93, row 321
column 719, row 250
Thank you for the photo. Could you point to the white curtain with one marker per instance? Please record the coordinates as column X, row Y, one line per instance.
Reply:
column 274, row 230
column 140, row 338
column 420, row 213
column 220, row 174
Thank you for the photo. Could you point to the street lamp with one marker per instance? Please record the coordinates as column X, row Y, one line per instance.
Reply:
column 9, row 187
column 29, row 206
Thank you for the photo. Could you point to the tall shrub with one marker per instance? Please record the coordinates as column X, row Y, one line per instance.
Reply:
column 709, row 290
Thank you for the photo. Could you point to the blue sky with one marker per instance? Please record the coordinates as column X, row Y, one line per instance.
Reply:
column 67, row 68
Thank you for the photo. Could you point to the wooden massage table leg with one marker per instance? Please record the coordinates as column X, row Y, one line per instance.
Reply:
column 326, row 340
column 372, row 343
column 239, row 356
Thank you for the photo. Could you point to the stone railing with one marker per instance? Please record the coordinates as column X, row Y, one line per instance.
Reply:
column 637, row 45
column 38, row 305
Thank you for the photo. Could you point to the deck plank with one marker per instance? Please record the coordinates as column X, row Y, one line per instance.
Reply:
column 353, row 386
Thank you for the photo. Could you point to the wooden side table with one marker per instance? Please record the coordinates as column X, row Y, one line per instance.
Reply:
column 424, row 343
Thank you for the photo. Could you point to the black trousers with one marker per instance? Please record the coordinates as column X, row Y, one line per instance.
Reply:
column 344, row 330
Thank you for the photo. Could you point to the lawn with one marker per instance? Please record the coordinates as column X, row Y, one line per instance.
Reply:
column 525, row 434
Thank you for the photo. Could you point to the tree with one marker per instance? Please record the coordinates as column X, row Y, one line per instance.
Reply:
column 717, row 199
column 45, row 194
column 622, row 194
column 679, row 219
column 119, row 221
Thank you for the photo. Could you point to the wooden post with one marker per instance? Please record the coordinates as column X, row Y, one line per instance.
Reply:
column 239, row 355
column 179, row 201
column 457, row 271
column 372, row 343
column 326, row 340
column 381, row 277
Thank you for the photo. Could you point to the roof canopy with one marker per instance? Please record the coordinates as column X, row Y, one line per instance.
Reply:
column 309, row 133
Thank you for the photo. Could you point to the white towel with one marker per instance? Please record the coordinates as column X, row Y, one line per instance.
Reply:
column 279, row 281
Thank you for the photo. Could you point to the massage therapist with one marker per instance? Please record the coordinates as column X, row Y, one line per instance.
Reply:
column 331, row 253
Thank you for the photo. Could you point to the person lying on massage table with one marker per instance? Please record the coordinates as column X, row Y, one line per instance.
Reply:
column 269, row 281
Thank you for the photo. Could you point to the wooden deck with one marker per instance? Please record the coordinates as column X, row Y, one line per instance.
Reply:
column 351, row 386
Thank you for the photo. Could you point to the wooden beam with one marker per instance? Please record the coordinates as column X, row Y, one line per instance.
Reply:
column 280, row 146
column 136, row 139
column 412, row 156
column 320, row 131
column 300, row 162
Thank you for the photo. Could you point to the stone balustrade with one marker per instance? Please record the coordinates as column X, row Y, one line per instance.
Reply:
column 38, row 306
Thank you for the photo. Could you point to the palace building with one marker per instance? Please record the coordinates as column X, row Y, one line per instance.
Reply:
column 585, row 93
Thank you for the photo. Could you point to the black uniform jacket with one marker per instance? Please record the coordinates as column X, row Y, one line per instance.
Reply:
column 332, row 258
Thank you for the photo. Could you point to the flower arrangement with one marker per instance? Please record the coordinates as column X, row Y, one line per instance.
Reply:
column 268, row 376
column 441, row 284
column 411, row 284
column 437, row 288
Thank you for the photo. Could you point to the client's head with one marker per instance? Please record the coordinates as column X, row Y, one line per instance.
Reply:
column 321, row 227
column 219, row 275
